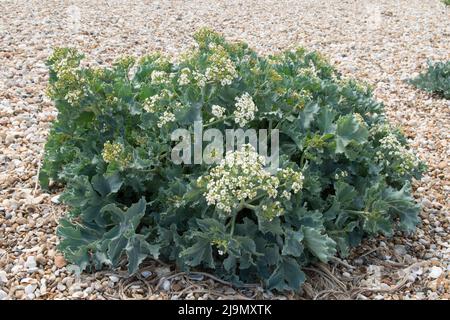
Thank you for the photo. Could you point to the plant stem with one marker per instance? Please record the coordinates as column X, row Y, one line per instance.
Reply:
column 356, row 211
column 302, row 158
column 233, row 222
column 216, row 121
column 249, row 206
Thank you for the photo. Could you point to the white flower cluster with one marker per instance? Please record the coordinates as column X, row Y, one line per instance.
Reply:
column 199, row 78
column 221, row 244
column 294, row 177
column 112, row 151
column 303, row 96
column 218, row 111
column 159, row 77
column 240, row 177
column 307, row 72
column 184, row 77
column 165, row 118
column 221, row 67
column 237, row 178
column 150, row 104
column 73, row 96
column 69, row 80
column 245, row 109
column 272, row 210
column 379, row 128
column 341, row 174
column 66, row 64
column 393, row 152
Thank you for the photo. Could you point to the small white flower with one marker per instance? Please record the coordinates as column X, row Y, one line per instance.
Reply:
column 73, row 96
column 150, row 103
column 199, row 78
column 221, row 67
column 218, row 111
column 245, row 109
column 286, row 195
column 392, row 151
column 165, row 118
column 159, row 77
column 112, row 151
column 184, row 77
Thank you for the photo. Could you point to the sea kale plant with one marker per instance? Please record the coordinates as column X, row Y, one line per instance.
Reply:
column 344, row 172
column 435, row 80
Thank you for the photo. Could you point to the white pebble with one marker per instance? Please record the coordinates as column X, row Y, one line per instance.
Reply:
column 55, row 199
column 3, row 277
column 30, row 263
column 61, row 287
column 3, row 295
column 435, row 272
column 166, row 285
column 29, row 289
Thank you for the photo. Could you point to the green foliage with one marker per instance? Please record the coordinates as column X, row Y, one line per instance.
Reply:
column 344, row 172
column 435, row 80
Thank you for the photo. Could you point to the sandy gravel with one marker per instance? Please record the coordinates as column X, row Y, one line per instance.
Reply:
column 381, row 42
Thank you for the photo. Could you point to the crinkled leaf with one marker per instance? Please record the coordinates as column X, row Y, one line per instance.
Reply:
column 307, row 115
column 349, row 130
column 320, row 245
column 402, row 204
column 106, row 185
column 200, row 252
column 137, row 250
column 293, row 243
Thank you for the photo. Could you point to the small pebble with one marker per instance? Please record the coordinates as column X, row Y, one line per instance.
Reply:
column 435, row 272
column 166, row 285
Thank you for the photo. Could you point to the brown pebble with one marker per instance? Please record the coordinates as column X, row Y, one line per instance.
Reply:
column 176, row 287
column 19, row 294
column 60, row 262
column 41, row 259
column 21, row 221
column 442, row 165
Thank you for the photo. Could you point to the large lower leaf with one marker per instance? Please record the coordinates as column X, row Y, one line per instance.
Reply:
column 137, row 250
column 401, row 204
column 287, row 276
column 200, row 252
column 119, row 237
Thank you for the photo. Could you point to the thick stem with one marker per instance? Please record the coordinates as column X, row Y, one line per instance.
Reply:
column 242, row 205
column 233, row 222
column 249, row 206
column 302, row 158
